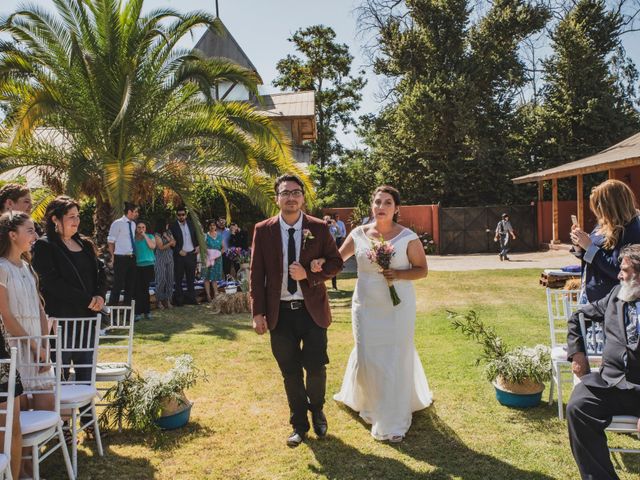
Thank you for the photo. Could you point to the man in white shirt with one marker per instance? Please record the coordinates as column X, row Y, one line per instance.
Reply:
column 185, row 258
column 122, row 254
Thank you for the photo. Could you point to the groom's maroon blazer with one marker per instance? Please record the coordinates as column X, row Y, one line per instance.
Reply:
column 267, row 264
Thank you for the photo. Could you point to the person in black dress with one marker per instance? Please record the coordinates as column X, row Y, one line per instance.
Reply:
column 72, row 277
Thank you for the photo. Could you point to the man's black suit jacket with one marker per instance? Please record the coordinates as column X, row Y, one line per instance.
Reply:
column 620, row 362
column 177, row 234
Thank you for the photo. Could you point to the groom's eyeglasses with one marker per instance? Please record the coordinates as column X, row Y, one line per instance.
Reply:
column 290, row 193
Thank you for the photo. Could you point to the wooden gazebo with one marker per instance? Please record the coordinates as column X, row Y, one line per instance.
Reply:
column 621, row 161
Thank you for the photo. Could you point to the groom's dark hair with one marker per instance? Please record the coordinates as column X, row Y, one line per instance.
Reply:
column 288, row 177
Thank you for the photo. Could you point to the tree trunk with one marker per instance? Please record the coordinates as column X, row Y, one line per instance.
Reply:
column 103, row 218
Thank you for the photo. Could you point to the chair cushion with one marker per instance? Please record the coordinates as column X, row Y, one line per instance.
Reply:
column 77, row 394
column 110, row 370
column 628, row 421
column 559, row 353
column 37, row 420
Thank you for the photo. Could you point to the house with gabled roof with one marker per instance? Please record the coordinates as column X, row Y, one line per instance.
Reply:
column 294, row 112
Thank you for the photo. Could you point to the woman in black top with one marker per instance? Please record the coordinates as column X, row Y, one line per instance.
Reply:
column 72, row 277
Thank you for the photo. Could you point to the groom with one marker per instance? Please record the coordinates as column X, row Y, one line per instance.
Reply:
column 290, row 300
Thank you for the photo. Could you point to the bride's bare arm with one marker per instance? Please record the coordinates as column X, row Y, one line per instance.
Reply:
column 347, row 249
column 418, row 261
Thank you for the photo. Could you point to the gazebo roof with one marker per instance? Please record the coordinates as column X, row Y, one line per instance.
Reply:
column 623, row 154
column 224, row 45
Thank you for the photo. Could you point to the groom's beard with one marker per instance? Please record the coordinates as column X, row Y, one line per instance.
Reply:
column 630, row 290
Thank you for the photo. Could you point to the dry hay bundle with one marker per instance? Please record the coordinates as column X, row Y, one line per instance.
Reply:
column 231, row 303
column 572, row 284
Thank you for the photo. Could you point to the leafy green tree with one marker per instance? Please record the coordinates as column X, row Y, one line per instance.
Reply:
column 101, row 101
column 587, row 102
column 349, row 181
column 325, row 68
column 448, row 134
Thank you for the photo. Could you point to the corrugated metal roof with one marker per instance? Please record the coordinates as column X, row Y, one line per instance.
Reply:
column 288, row 104
column 224, row 45
column 32, row 177
column 623, row 154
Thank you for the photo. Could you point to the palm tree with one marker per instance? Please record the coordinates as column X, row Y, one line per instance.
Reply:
column 101, row 101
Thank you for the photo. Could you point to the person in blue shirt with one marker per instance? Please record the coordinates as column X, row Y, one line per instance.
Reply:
column 614, row 205
column 145, row 260
column 225, row 233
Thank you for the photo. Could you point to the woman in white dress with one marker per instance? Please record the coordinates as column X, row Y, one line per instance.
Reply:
column 384, row 380
column 21, row 310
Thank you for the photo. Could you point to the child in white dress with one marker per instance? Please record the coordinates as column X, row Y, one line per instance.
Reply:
column 21, row 309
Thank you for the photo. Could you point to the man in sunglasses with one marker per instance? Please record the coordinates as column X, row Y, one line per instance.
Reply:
column 290, row 301
column 185, row 257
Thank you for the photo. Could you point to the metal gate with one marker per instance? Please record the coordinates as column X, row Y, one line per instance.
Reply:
column 471, row 229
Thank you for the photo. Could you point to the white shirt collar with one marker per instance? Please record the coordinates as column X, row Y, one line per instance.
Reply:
column 285, row 226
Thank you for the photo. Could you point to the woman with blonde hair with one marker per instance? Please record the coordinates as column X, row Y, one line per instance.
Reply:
column 614, row 205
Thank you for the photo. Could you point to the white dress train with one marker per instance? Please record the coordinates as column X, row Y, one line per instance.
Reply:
column 384, row 380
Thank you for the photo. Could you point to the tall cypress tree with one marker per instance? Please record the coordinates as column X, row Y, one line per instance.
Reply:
column 448, row 136
column 585, row 107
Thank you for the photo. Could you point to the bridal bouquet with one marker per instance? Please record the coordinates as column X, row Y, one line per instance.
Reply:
column 381, row 253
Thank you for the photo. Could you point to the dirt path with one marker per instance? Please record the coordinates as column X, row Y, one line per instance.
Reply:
column 459, row 263
column 541, row 260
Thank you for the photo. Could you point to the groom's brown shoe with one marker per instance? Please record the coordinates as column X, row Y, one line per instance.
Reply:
column 319, row 423
column 295, row 439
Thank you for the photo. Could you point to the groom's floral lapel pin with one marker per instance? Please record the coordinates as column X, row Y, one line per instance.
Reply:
column 306, row 235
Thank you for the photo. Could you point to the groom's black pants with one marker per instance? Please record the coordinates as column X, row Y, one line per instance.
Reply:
column 298, row 342
column 589, row 413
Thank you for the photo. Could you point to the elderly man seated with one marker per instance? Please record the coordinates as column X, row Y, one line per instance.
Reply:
column 615, row 388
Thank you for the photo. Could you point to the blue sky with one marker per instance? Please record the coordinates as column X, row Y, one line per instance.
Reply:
column 262, row 27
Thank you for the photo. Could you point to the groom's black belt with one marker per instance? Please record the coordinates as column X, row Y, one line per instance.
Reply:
column 292, row 304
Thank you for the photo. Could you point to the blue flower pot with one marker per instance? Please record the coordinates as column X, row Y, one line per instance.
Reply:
column 176, row 420
column 517, row 400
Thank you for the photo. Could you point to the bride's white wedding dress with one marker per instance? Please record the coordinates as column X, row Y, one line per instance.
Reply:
column 384, row 380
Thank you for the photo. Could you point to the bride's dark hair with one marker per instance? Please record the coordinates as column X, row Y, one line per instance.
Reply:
column 391, row 191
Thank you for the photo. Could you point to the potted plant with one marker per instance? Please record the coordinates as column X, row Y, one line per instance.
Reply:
column 153, row 400
column 517, row 374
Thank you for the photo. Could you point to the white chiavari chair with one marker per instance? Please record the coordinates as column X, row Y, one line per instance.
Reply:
column 80, row 337
column 41, row 428
column 8, row 399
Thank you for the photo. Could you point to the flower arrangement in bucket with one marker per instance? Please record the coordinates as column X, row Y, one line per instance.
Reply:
column 240, row 255
column 153, row 400
column 517, row 374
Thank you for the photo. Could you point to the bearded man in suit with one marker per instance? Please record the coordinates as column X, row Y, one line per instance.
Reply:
column 291, row 302
column 615, row 388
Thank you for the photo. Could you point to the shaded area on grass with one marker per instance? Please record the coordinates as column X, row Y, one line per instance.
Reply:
column 162, row 440
column 164, row 326
column 111, row 465
column 430, row 441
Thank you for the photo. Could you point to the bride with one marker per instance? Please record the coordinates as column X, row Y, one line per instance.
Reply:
column 384, row 380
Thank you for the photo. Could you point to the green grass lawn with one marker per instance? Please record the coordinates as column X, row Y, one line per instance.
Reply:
column 240, row 417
